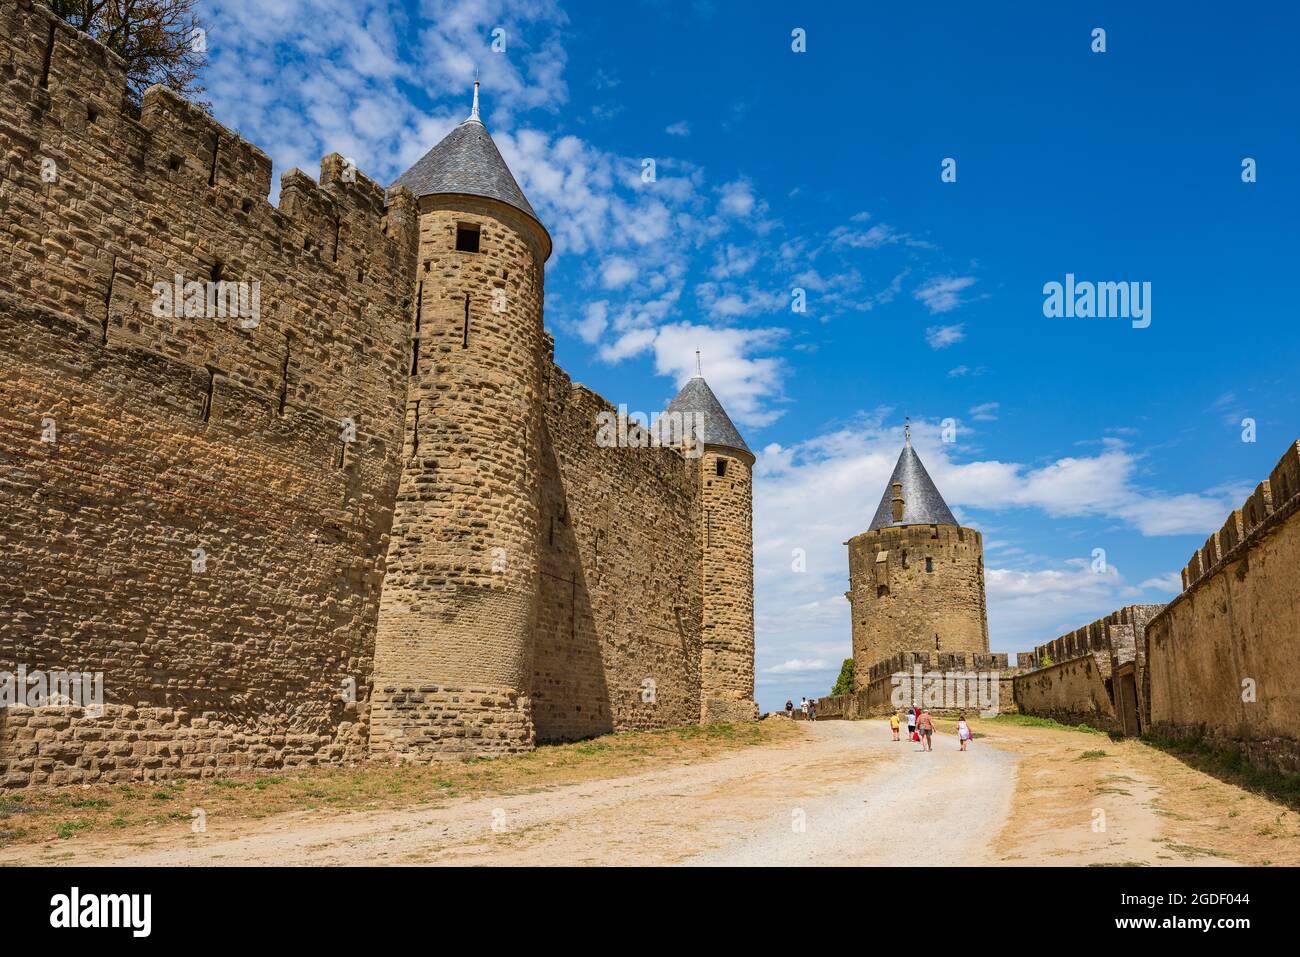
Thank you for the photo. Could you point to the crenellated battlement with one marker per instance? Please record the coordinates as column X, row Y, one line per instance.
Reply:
column 105, row 201
column 1271, row 501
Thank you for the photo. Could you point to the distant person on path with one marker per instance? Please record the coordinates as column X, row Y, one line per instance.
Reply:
column 911, row 723
column 803, row 706
column 812, row 710
column 925, row 724
column 963, row 731
column 893, row 724
column 789, row 708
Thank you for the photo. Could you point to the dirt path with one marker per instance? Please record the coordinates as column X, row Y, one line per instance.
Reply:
column 838, row 793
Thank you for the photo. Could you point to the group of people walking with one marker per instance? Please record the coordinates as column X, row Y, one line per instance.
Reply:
column 807, row 705
column 920, row 727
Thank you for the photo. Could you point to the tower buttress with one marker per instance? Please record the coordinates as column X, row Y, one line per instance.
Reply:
column 727, row 555
column 457, row 617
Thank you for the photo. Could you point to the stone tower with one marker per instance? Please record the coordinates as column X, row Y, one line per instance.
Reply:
column 458, row 611
column 727, row 549
column 916, row 578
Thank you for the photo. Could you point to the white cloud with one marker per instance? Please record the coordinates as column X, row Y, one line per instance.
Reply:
column 940, row 337
column 1171, row 583
column 988, row 412
column 616, row 272
column 680, row 128
column 797, row 666
column 943, row 294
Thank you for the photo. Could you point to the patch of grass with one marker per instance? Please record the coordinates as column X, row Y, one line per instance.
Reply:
column 1121, row 864
column 1232, row 766
column 66, row 829
column 1190, row 850
column 1033, row 721
column 1087, row 755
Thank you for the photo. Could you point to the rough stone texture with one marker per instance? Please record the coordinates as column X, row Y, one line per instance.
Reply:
column 618, row 638
column 727, row 573
column 875, row 697
column 183, row 433
column 536, row 580
column 899, row 606
column 459, row 600
column 1111, row 645
column 1072, row 692
column 1238, row 620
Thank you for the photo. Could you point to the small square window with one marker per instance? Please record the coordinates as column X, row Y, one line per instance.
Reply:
column 722, row 467
column 467, row 237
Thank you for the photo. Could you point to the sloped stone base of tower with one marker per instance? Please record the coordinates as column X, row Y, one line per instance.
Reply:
column 421, row 723
column 727, row 711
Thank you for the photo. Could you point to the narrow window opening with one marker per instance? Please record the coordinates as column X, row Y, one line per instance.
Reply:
column 173, row 162
column 464, row 343
column 284, row 372
column 212, row 388
column 218, row 268
column 415, row 431
column 721, row 467
column 92, row 115
column 212, row 171
column 929, row 564
column 415, row 340
column 467, row 237
column 246, row 205
column 708, row 527
column 905, row 558
column 338, row 231
column 49, row 56
column 108, row 302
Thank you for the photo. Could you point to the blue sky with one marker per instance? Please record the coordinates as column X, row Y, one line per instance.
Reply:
column 820, row 170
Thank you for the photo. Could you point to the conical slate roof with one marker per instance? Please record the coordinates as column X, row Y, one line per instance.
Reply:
column 922, row 503
column 716, row 427
column 468, row 162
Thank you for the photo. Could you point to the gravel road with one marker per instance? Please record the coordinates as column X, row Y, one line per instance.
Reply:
column 842, row 794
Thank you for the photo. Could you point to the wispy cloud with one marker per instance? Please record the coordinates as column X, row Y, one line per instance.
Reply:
column 943, row 294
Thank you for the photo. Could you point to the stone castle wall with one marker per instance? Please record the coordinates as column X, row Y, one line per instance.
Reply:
column 197, row 530
column 575, row 570
column 619, row 623
column 1089, row 691
column 1222, row 657
column 908, row 584
column 903, row 679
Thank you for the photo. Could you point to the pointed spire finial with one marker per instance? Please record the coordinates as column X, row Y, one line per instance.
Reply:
column 698, row 373
column 907, row 431
column 473, row 113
